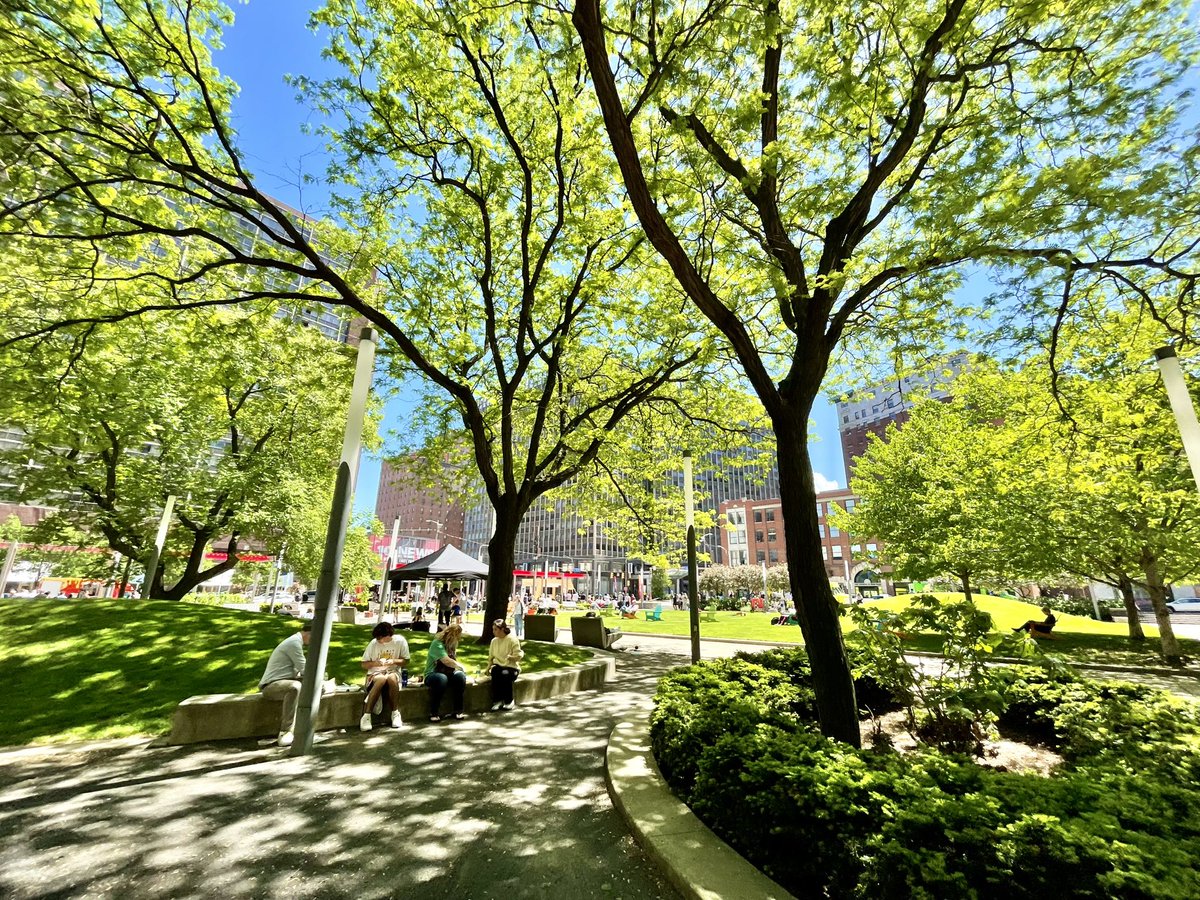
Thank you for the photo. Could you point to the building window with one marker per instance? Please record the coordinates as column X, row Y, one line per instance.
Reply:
column 834, row 532
column 760, row 556
column 772, row 556
column 871, row 548
column 849, row 505
column 825, row 553
column 770, row 534
column 845, row 419
column 837, row 551
column 820, row 530
column 758, row 536
column 770, row 515
column 856, row 548
column 820, row 510
column 758, row 515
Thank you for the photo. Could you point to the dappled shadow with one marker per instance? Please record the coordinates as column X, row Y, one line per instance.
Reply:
column 500, row 805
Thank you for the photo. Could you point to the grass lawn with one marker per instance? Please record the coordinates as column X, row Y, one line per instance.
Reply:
column 1083, row 640
column 81, row 670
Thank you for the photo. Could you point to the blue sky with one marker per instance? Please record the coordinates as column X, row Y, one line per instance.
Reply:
column 270, row 40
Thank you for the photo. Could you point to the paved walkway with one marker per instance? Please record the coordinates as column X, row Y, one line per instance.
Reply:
column 509, row 805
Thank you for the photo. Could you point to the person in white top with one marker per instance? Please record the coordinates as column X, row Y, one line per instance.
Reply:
column 504, row 664
column 384, row 661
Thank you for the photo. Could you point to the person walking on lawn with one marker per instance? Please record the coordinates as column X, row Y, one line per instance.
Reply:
column 384, row 661
column 282, row 678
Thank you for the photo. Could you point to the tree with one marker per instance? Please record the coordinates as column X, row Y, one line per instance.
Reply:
column 235, row 415
column 481, row 229
column 933, row 490
column 815, row 174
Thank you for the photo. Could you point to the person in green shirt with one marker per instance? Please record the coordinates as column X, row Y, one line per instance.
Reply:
column 443, row 671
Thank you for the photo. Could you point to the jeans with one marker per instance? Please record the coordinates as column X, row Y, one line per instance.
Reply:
column 502, row 683
column 519, row 625
column 289, row 692
column 437, row 684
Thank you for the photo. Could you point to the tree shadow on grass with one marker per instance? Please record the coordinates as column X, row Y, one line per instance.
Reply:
column 506, row 804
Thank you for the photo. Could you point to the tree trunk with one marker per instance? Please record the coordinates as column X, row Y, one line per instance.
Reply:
column 816, row 608
column 1171, row 653
column 965, row 577
column 502, row 555
column 1132, row 614
column 192, row 574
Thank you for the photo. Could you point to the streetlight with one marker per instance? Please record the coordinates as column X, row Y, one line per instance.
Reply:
column 335, row 544
column 1181, row 404
column 689, row 520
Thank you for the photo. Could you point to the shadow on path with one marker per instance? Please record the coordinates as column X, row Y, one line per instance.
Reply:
column 500, row 805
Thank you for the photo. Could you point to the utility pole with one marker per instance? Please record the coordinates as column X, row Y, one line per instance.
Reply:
column 689, row 520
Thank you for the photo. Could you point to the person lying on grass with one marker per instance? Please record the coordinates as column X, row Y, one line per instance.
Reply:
column 384, row 661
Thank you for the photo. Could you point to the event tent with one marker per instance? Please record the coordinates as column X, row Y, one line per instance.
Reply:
column 448, row 562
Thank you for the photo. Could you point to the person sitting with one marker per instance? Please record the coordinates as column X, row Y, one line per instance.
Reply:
column 1035, row 628
column 504, row 664
column 443, row 670
column 282, row 678
column 384, row 661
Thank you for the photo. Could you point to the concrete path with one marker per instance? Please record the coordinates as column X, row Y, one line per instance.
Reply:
column 504, row 805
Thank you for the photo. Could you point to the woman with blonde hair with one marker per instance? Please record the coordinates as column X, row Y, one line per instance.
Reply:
column 504, row 664
column 443, row 670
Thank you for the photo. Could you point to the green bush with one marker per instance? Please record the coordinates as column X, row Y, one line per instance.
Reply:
column 1120, row 819
column 730, row 604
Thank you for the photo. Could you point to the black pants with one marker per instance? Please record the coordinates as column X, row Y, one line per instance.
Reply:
column 502, row 683
column 443, row 617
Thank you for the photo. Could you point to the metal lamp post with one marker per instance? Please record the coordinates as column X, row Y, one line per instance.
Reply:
column 1181, row 405
column 335, row 543
column 689, row 520
column 156, row 552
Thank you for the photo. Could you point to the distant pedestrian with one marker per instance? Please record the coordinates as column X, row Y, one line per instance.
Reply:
column 520, row 606
column 445, row 599
column 282, row 679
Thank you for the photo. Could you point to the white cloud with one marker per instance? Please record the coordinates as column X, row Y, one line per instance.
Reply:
column 823, row 484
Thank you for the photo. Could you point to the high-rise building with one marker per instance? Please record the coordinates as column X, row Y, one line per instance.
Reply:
column 872, row 409
column 425, row 512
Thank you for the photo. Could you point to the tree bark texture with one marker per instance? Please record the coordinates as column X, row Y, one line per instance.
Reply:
column 1132, row 613
column 1171, row 653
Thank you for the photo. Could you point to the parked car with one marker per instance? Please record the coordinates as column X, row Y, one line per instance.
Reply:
column 1191, row 604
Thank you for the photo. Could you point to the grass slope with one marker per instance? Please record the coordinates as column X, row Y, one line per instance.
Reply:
column 82, row 670
column 1082, row 639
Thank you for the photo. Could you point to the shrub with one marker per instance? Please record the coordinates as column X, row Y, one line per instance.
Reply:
column 1121, row 819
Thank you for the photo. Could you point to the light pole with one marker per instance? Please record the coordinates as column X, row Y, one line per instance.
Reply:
column 156, row 552
column 335, row 544
column 1181, row 405
column 437, row 535
column 689, row 520
column 388, row 562
column 278, row 572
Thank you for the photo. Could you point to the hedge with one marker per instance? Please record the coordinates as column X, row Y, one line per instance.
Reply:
column 737, row 740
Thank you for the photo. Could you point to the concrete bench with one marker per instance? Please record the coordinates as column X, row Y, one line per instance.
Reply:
column 218, row 717
column 587, row 631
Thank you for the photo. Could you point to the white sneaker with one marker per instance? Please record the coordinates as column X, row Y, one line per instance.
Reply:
column 511, row 704
column 396, row 720
column 285, row 739
column 496, row 705
column 364, row 724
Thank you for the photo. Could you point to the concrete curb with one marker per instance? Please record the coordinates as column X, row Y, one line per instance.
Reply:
column 697, row 862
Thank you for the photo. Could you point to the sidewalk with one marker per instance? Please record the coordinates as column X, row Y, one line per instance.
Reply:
column 506, row 805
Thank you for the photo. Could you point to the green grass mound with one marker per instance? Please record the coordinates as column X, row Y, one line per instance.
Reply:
column 1120, row 817
column 81, row 670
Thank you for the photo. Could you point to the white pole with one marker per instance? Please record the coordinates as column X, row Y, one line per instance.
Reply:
column 335, row 543
column 388, row 562
column 10, row 559
column 1181, row 404
column 159, row 540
